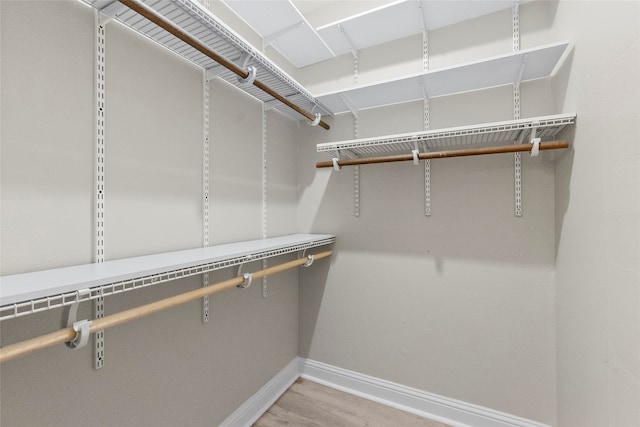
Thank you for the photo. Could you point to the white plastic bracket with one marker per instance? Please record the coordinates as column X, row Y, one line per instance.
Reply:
column 248, row 278
column 415, row 153
column 535, row 150
column 317, row 120
column 80, row 327
column 336, row 166
column 309, row 261
column 250, row 78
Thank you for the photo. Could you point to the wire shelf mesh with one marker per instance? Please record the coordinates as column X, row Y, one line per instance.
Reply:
column 11, row 311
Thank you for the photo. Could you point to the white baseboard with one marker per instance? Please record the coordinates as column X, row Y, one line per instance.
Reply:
column 433, row 406
column 439, row 408
column 258, row 404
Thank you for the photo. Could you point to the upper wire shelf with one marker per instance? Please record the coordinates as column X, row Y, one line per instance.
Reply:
column 27, row 293
column 197, row 21
column 487, row 133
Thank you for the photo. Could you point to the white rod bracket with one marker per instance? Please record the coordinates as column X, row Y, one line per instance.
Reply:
column 250, row 78
column 248, row 278
column 82, row 329
column 535, row 150
column 309, row 261
column 336, row 166
column 317, row 120
column 416, row 158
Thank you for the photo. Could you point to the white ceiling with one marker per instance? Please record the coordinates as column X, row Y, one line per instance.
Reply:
column 310, row 31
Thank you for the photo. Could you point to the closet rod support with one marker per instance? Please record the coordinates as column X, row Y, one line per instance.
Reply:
column 550, row 145
column 150, row 14
column 248, row 278
column 309, row 261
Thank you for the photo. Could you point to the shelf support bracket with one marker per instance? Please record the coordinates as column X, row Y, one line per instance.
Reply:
column 272, row 38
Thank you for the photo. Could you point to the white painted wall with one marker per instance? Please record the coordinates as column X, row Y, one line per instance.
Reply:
column 598, row 216
column 470, row 303
column 169, row 369
column 461, row 303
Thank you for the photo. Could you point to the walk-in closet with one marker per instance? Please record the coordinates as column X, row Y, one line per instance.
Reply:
column 320, row 212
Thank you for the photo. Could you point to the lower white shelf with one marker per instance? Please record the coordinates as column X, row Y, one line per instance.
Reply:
column 27, row 293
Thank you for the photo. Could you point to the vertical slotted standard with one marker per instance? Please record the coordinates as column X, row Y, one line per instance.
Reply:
column 264, row 192
column 205, row 186
column 99, row 196
column 517, row 157
column 427, row 163
column 356, row 172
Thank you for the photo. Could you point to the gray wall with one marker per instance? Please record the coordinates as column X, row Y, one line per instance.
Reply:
column 598, row 217
column 169, row 369
column 461, row 303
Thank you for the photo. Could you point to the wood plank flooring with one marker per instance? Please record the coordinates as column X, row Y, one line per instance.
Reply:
column 308, row 404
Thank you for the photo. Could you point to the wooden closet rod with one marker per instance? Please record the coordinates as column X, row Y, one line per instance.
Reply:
column 162, row 22
column 68, row 334
column 551, row 145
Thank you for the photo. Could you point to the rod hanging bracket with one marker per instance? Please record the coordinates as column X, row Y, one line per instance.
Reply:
column 248, row 278
column 317, row 120
column 535, row 149
column 250, row 78
column 309, row 261
column 416, row 158
column 336, row 166
column 82, row 329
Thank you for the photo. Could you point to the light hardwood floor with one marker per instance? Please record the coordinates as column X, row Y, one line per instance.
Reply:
column 308, row 404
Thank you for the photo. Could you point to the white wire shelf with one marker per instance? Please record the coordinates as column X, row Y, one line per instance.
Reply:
column 27, row 293
column 282, row 26
column 372, row 28
column 524, row 65
column 484, row 134
column 197, row 21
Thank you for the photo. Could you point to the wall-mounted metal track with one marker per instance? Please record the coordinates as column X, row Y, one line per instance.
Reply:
column 99, row 186
column 205, row 186
column 264, row 192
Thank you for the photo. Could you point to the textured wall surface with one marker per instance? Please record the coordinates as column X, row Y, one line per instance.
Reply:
column 598, row 217
column 461, row 303
column 168, row 369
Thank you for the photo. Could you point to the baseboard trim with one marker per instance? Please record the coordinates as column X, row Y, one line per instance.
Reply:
column 258, row 404
column 438, row 408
